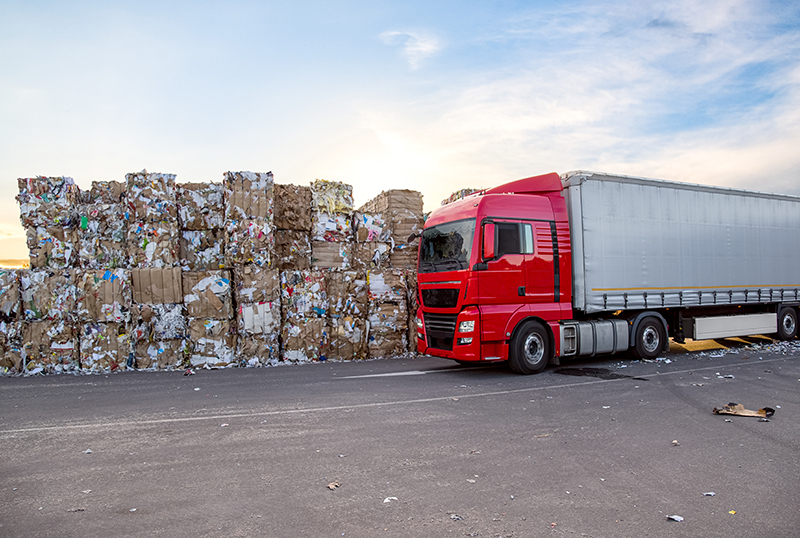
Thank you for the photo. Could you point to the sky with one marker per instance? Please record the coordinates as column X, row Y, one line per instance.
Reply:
column 429, row 95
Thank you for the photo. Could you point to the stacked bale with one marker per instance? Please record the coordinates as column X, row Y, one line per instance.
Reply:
column 103, row 308
column 292, row 219
column 388, row 312
column 47, row 213
column 159, row 330
column 201, row 216
column 399, row 213
column 10, row 322
column 258, row 314
column 331, row 224
column 153, row 238
column 304, row 334
column 102, row 221
column 249, row 233
column 208, row 298
column 347, row 315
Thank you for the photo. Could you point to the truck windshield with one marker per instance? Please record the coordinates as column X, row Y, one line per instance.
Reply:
column 446, row 247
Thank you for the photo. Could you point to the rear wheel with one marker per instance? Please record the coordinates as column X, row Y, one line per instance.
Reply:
column 649, row 338
column 787, row 323
column 530, row 349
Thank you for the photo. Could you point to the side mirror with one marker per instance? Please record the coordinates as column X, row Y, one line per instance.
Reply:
column 413, row 236
column 488, row 241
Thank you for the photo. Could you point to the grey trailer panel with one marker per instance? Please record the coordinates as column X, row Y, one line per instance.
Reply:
column 641, row 243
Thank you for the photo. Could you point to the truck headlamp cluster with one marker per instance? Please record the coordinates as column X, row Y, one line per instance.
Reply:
column 464, row 341
column 466, row 326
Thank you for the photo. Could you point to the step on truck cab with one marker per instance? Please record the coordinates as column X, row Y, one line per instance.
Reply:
column 582, row 264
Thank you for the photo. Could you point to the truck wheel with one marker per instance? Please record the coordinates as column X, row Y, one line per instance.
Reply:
column 530, row 349
column 649, row 339
column 787, row 323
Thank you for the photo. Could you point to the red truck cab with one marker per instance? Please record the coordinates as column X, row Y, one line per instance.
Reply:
column 494, row 275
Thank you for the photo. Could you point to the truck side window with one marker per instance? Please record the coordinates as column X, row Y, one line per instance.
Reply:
column 508, row 239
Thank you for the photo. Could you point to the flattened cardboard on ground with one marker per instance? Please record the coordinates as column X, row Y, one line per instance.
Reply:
column 372, row 255
column 292, row 250
column 212, row 343
column 249, row 241
column 48, row 294
column 53, row 247
column 202, row 250
column 51, row 346
column 325, row 255
column 292, row 207
column 98, row 253
column 201, row 206
column 348, row 338
column 331, row 226
column 739, row 410
column 331, row 196
column 208, row 294
column 161, row 354
column 10, row 306
column 255, row 284
column 104, row 295
column 151, row 197
column 259, row 349
column 346, row 293
column 153, row 244
column 303, row 294
column 387, row 285
column 304, row 340
column 248, row 195
column 157, row 286
column 104, row 347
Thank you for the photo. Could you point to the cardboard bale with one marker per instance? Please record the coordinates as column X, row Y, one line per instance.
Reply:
column 405, row 256
column 255, row 284
column 387, row 285
column 98, row 253
column 104, row 347
column 11, row 347
column 249, row 195
column 395, row 200
column 47, row 201
column 106, row 221
column 212, row 343
column 259, row 328
column 370, row 227
column 10, row 305
column 104, row 295
column 331, row 197
column 373, row 255
column 160, row 354
column 412, row 305
column 207, row 294
column 304, row 340
column 157, row 286
column 292, row 207
column 202, row 249
column 158, row 322
column 151, row 197
column 50, row 347
column 53, row 247
column 292, row 250
column 326, row 255
column 387, row 343
column 201, row 206
column 388, row 328
column 303, row 295
column 347, row 294
column 259, row 350
column 404, row 224
column 349, row 338
column 249, row 241
column 106, row 192
column 331, row 226
column 48, row 295
column 153, row 244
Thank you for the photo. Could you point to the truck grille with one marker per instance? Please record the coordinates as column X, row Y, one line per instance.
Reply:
column 440, row 330
column 440, row 298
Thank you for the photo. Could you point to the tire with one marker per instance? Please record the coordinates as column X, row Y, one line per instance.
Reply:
column 787, row 323
column 649, row 338
column 530, row 349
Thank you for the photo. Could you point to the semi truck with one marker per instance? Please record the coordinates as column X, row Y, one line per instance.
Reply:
column 553, row 267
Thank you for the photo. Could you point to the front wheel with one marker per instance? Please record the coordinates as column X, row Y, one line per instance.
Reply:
column 530, row 349
column 787, row 323
column 649, row 338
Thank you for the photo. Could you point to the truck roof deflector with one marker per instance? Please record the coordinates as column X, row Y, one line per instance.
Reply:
column 531, row 185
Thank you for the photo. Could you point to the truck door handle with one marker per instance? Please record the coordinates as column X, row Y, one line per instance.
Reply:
column 521, row 291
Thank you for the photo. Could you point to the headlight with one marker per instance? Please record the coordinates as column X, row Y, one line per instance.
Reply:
column 419, row 322
column 466, row 326
column 464, row 341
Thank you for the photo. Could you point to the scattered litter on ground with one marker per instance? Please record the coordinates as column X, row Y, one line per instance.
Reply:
column 132, row 510
column 675, row 518
column 77, row 510
column 188, row 371
column 739, row 410
column 471, row 480
column 87, row 451
column 709, row 494
column 389, row 499
column 197, row 388
column 731, row 512
column 87, row 491
column 454, row 517
column 223, row 425
column 334, row 485
column 675, row 443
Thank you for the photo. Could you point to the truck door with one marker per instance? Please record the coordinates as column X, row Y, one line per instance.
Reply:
column 539, row 272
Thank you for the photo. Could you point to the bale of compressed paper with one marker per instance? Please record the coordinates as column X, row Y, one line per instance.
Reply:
column 50, row 347
column 325, row 255
column 387, row 285
column 98, row 253
column 404, row 225
column 104, row 295
column 394, row 200
column 304, row 340
column 259, row 350
column 331, row 226
column 47, row 201
column 249, row 241
column 255, row 284
column 104, row 347
column 11, row 347
column 202, row 249
column 346, row 294
column 412, row 305
column 10, row 305
column 348, row 338
column 54, row 247
column 201, row 206
column 372, row 255
column 405, row 256
column 248, row 195
column 331, row 197
column 109, row 221
column 292, row 207
column 212, row 343
column 153, row 243
column 401, row 211
column 152, row 197
column 292, row 250
column 105, row 192
column 157, row 286
column 208, row 294
column 370, row 227
column 303, row 294
column 158, row 322
column 48, row 295
column 388, row 328
column 259, row 328
column 160, row 354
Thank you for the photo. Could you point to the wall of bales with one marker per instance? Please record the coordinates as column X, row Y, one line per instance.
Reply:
column 151, row 274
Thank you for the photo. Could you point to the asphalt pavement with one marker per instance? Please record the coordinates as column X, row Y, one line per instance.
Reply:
column 410, row 447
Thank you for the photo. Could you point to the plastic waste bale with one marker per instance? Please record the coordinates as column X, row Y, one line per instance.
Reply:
column 304, row 340
column 11, row 347
column 50, row 347
column 331, row 197
column 104, row 295
column 387, row 285
column 256, row 284
column 153, row 243
column 325, row 255
column 259, row 327
column 303, row 294
column 208, row 294
column 53, row 247
column 10, row 305
column 371, row 255
column 292, row 250
column 47, row 201
column 248, row 195
column 151, row 197
column 48, row 295
column 292, row 207
column 388, row 327
column 202, row 249
column 249, row 241
column 334, row 227
column 212, row 343
column 104, row 347
column 201, row 206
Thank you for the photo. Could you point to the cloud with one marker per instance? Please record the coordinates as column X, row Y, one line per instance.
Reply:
column 417, row 45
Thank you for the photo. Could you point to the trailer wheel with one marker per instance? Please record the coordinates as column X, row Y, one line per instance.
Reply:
column 649, row 338
column 787, row 323
column 530, row 349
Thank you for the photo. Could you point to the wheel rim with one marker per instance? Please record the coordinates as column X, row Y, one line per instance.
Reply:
column 650, row 339
column 534, row 348
column 788, row 324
